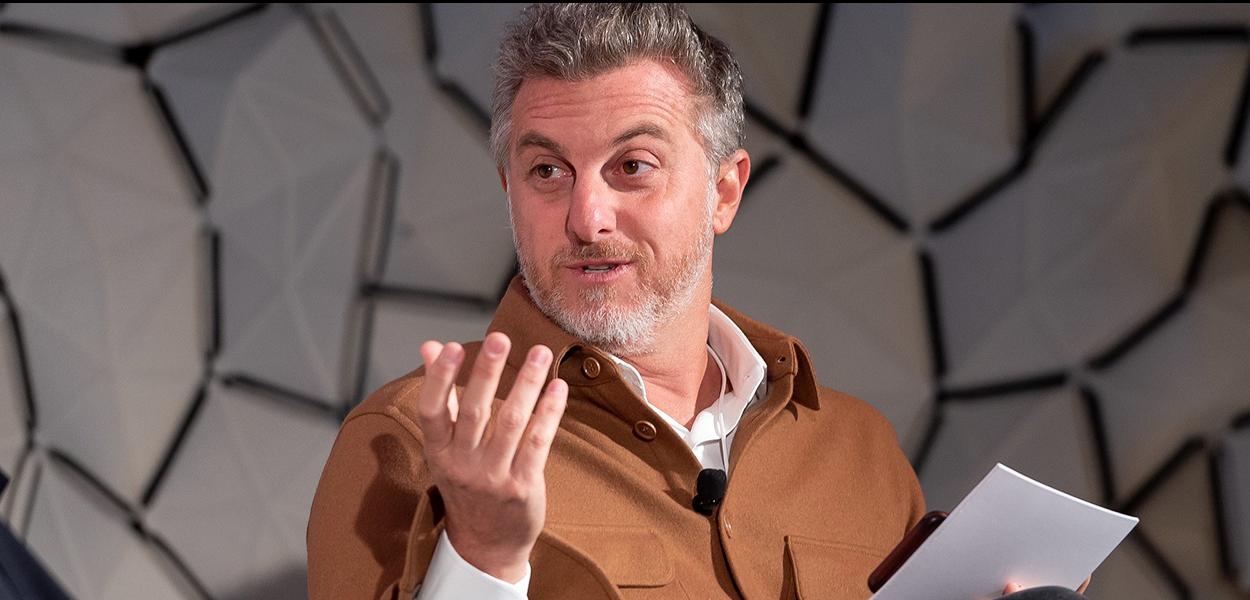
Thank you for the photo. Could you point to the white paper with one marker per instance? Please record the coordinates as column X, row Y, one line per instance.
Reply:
column 1009, row 529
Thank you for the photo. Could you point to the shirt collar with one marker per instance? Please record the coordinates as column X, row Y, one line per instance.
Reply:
column 744, row 371
column 517, row 316
column 744, row 366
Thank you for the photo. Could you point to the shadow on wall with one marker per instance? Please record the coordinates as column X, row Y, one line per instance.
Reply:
column 291, row 584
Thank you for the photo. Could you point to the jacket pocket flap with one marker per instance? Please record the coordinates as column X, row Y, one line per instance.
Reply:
column 824, row 569
column 628, row 556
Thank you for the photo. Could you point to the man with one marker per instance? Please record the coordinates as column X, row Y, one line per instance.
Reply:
column 559, row 458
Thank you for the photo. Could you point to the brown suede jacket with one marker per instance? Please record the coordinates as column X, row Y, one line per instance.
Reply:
column 819, row 490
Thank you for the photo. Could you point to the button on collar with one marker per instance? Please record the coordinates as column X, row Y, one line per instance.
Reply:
column 645, row 430
column 590, row 367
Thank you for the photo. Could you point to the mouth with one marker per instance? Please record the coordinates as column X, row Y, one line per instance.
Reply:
column 598, row 266
column 599, row 270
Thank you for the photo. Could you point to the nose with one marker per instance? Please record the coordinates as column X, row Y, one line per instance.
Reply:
column 592, row 210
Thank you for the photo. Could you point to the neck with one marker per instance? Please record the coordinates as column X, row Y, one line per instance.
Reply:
column 681, row 378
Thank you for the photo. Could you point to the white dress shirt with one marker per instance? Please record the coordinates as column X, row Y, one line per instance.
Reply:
column 742, row 382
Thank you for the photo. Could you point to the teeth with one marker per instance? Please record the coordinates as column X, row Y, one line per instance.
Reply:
column 598, row 269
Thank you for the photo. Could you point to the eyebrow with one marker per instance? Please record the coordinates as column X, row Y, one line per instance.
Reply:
column 541, row 141
column 650, row 129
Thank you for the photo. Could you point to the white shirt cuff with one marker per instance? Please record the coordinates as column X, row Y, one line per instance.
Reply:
column 450, row 577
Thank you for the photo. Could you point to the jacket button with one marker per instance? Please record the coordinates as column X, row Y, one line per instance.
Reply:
column 645, row 430
column 590, row 367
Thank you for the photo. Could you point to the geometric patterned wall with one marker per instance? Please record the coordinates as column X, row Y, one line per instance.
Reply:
column 1022, row 232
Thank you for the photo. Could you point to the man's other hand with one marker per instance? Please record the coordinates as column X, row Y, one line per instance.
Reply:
column 489, row 471
column 1015, row 587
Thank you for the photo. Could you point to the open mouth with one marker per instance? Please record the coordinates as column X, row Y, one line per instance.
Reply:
column 600, row 268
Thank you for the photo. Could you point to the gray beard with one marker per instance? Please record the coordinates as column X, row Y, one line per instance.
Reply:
column 619, row 330
column 616, row 329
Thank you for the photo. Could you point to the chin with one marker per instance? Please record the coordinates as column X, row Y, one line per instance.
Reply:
column 621, row 317
column 621, row 328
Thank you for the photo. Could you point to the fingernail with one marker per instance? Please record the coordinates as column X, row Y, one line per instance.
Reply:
column 494, row 346
column 537, row 355
column 452, row 352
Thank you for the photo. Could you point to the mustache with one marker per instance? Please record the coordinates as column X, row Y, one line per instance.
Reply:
column 616, row 251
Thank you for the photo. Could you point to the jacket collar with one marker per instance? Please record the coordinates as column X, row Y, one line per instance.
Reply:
column 526, row 326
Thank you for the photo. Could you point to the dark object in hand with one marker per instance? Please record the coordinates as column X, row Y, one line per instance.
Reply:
column 899, row 555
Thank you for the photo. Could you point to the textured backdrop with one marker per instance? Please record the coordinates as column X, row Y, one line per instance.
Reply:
column 1022, row 232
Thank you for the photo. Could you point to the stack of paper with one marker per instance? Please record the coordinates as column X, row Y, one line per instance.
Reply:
column 1009, row 529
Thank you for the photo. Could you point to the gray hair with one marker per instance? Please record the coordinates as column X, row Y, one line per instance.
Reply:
column 575, row 42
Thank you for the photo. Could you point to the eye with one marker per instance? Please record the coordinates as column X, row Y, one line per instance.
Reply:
column 546, row 171
column 634, row 167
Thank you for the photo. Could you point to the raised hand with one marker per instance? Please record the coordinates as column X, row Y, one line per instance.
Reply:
column 489, row 471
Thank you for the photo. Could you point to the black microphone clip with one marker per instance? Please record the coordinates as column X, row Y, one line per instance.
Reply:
column 710, row 490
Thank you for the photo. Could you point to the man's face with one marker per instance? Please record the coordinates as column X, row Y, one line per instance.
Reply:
column 611, row 203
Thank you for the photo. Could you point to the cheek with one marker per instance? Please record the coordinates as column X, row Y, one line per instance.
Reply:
column 538, row 227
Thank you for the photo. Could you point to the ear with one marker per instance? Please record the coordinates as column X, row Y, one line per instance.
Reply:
column 731, row 181
column 503, row 178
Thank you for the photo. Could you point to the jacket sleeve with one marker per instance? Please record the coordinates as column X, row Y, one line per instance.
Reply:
column 375, row 519
column 908, row 483
column 916, row 502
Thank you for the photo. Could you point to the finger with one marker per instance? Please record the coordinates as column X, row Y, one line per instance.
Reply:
column 480, row 392
column 440, row 375
column 1012, row 588
column 1084, row 585
column 429, row 353
column 531, row 455
column 514, row 414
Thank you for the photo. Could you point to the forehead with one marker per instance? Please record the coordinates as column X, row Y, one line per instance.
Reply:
column 641, row 91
